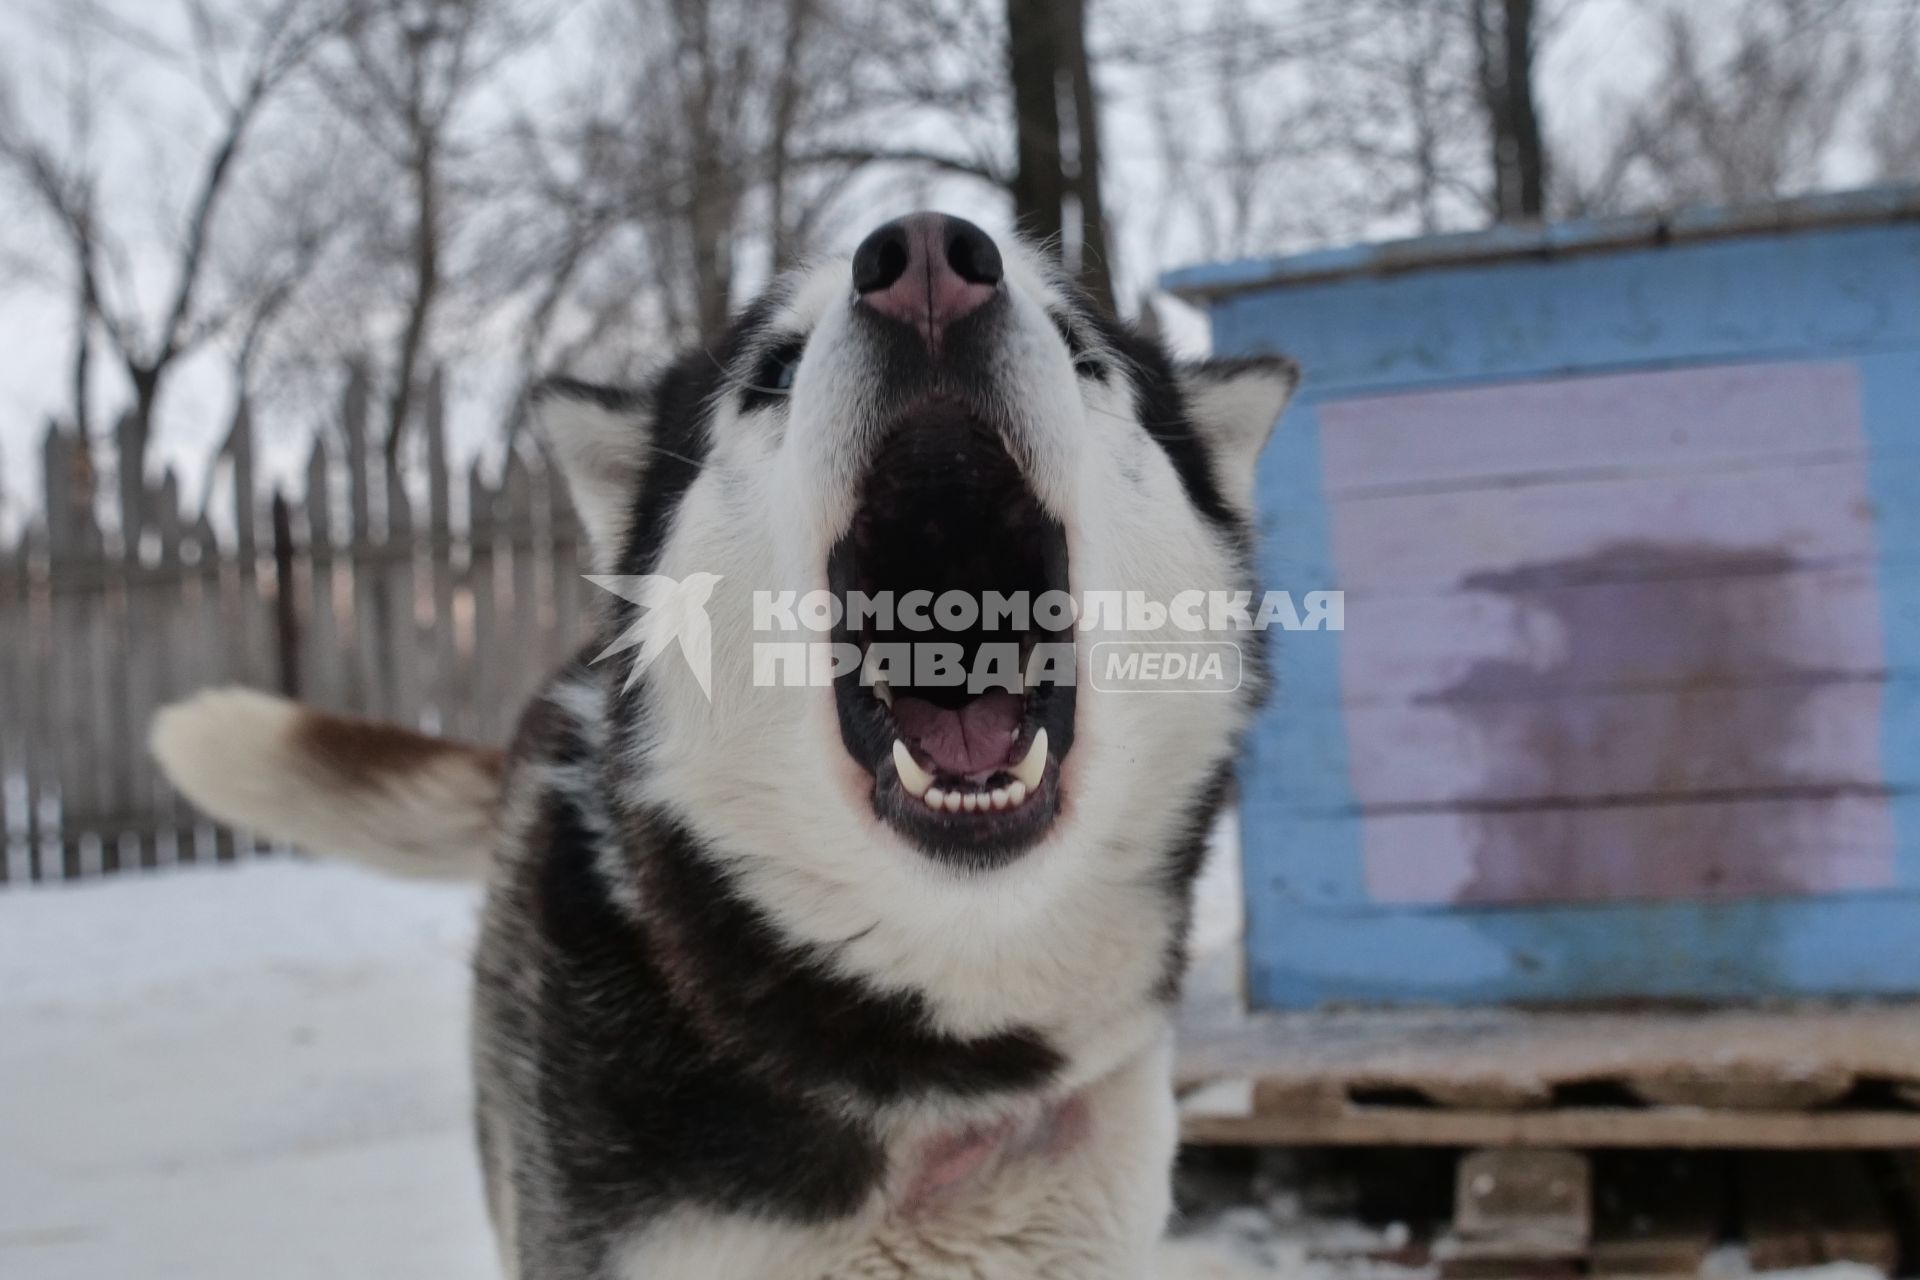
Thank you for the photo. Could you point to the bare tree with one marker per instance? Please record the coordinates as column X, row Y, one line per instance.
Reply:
column 405, row 74
column 239, row 58
column 1740, row 111
column 1893, row 128
column 707, row 142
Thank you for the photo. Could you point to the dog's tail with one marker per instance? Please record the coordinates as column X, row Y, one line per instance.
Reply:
column 372, row 793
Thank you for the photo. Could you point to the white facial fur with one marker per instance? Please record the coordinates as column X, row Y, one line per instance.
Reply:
column 1070, row 937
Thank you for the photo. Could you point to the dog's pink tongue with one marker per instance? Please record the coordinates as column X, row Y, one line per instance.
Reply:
column 975, row 738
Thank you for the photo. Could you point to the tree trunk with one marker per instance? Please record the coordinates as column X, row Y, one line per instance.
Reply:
column 1096, row 267
column 426, row 288
column 83, row 364
column 146, row 380
column 1048, row 65
column 1523, row 118
column 1039, row 181
column 1506, row 48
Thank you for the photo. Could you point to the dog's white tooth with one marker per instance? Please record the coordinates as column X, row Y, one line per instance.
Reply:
column 970, row 801
column 884, row 693
column 954, row 799
column 999, row 797
column 1015, row 794
column 935, row 797
column 915, row 779
column 1034, row 767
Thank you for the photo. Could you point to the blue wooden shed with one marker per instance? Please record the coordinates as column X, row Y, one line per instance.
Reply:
column 1627, row 702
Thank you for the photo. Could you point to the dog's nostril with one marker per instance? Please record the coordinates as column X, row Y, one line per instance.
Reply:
column 881, row 258
column 972, row 254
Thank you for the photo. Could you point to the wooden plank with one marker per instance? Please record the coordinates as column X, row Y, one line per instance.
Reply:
column 398, row 638
column 1686, row 1127
column 1539, row 1201
column 361, row 656
column 1743, row 1087
column 485, row 664
column 249, row 644
column 1715, row 631
column 444, row 691
column 1657, row 526
column 123, row 759
column 1426, row 1051
column 163, row 660
column 1644, row 421
column 204, row 646
column 1632, row 851
column 75, row 540
column 323, row 676
column 1795, row 735
column 17, row 686
column 41, row 753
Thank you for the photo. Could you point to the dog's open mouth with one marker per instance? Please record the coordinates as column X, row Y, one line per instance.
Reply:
column 953, row 580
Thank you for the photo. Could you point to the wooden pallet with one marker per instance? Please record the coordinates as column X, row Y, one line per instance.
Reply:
column 1814, row 1077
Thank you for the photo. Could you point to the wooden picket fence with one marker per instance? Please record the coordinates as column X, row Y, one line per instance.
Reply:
column 351, row 595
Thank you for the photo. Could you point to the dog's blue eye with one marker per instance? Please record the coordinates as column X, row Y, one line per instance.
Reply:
column 773, row 376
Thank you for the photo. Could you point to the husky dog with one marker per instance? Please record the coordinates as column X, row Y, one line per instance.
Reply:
column 866, row 976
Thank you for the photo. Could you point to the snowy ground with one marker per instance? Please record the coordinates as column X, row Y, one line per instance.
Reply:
column 251, row 1072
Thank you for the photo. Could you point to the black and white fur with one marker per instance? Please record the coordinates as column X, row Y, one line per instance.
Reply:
column 728, row 1021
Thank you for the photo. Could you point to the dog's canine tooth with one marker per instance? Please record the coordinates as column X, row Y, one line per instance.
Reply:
column 1034, row 767
column 915, row 779
column 884, row 693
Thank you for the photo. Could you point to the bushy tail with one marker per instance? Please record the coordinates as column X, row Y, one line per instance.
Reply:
column 394, row 800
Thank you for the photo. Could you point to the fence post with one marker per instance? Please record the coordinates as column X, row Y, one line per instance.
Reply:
column 286, row 616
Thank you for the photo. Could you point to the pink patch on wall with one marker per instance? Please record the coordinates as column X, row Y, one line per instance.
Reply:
column 1648, row 670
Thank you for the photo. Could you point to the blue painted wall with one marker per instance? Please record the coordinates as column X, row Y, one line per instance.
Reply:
column 1314, row 937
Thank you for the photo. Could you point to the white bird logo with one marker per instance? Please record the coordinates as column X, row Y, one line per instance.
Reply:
column 672, row 609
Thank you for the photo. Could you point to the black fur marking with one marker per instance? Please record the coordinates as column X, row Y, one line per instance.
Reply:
column 1161, row 404
column 808, row 1027
column 637, row 1110
column 1085, row 363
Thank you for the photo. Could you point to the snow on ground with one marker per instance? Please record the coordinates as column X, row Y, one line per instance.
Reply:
column 252, row 1071
column 246, row 1071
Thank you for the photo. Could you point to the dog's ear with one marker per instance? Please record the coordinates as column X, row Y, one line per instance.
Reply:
column 599, row 436
column 1234, row 405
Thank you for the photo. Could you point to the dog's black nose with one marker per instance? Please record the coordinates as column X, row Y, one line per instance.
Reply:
column 927, row 270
